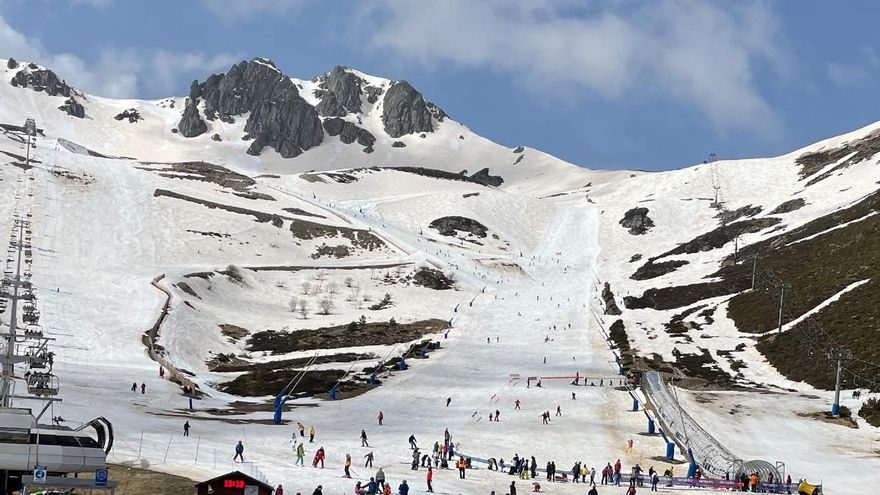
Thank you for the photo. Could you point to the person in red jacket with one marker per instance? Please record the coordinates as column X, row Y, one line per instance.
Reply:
column 428, row 478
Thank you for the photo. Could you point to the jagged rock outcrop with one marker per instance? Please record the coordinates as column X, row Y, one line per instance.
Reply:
column 11, row 63
column 373, row 93
column 405, row 111
column 345, row 88
column 398, row 144
column 131, row 114
column 73, row 108
column 279, row 117
column 789, row 206
column 483, row 177
column 41, row 80
column 436, row 111
column 611, row 307
column 216, row 137
column 349, row 132
column 637, row 221
column 191, row 123
column 450, row 226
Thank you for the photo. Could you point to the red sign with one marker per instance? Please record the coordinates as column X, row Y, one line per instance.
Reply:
column 233, row 483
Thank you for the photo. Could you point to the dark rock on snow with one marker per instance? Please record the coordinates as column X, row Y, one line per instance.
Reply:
column 329, row 106
column 191, row 123
column 216, row 137
column 131, row 114
column 450, row 226
column 611, row 307
column 11, row 63
column 483, row 177
column 41, row 80
column 789, row 206
column 398, row 144
column 637, row 221
column 349, row 132
column 73, row 108
column 405, row 111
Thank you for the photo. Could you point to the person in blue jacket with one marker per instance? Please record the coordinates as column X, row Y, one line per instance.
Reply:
column 239, row 452
column 403, row 489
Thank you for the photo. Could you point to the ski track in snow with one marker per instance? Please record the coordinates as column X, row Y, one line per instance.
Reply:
column 98, row 246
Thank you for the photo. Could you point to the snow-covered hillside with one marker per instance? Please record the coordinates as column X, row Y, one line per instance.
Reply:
column 269, row 261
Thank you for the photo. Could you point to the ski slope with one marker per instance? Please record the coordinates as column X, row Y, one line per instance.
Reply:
column 101, row 239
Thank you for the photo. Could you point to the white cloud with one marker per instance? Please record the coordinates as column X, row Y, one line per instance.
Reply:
column 846, row 75
column 696, row 52
column 117, row 72
column 232, row 10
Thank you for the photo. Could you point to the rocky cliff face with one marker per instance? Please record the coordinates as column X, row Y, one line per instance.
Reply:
column 405, row 111
column 41, row 80
column 343, row 89
column 279, row 116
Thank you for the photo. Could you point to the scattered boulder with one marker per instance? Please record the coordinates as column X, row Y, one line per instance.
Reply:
column 348, row 132
column 131, row 114
column 519, row 149
column 191, row 123
column 728, row 216
column 436, row 111
column 398, row 144
column 41, row 80
column 450, row 226
column 637, row 221
column 11, row 63
column 73, row 108
column 216, row 137
column 405, row 111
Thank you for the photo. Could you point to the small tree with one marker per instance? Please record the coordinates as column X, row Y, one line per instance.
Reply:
column 326, row 305
column 306, row 286
column 332, row 288
column 392, row 322
column 304, row 308
column 363, row 321
column 292, row 304
column 349, row 281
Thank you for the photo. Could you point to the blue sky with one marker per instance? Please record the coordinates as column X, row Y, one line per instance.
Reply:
column 613, row 84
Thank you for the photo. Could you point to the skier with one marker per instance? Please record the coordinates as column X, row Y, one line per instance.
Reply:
column 512, row 489
column 300, row 455
column 369, row 459
column 239, row 452
column 497, row 415
column 428, row 478
column 318, row 491
column 279, row 490
column 319, row 457
column 461, row 467
column 161, row 372
column 448, row 400
column 134, row 387
column 347, row 465
column 403, row 489
column 629, row 445
column 415, row 460
column 381, row 418
column 380, row 477
column 372, row 487
column 364, row 442
column 186, row 429
column 412, row 442
column 559, row 410
column 516, row 405
column 302, row 429
column 143, row 388
column 311, row 433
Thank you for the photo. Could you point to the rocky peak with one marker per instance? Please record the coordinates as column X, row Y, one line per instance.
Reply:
column 405, row 111
column 278, row 116
column 345, row 89
column 41, row 80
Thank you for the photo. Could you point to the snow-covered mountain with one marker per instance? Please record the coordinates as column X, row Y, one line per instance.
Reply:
column 275, row 212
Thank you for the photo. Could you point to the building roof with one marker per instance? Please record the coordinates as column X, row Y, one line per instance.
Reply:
column 238, row 474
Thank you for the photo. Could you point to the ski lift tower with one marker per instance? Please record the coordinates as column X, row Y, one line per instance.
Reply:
column 716, row 179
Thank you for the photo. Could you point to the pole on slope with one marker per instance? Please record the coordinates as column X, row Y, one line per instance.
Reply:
column 735, row 248
column 754, row 270
column 839, row 355
column 781, row 300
